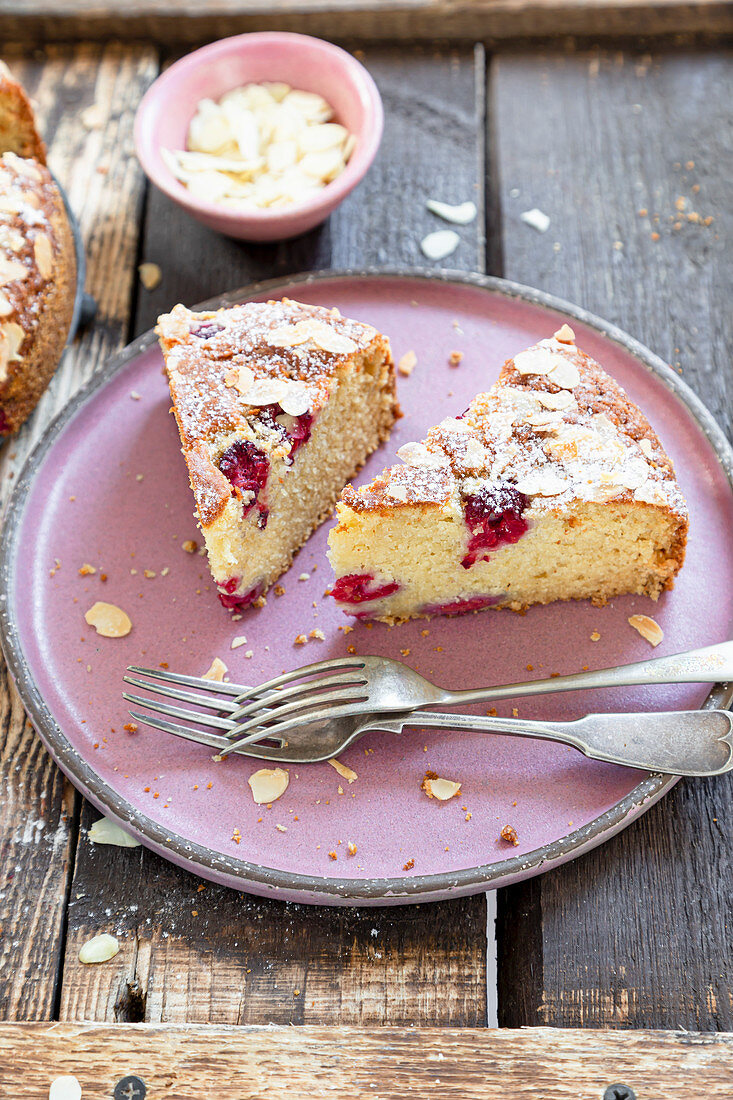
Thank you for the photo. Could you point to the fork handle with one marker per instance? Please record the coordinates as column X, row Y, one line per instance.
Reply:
column 692, row 742
column 710, row 665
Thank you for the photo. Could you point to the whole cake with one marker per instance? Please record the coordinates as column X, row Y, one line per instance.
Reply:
column 278, row 404
column 550, row 486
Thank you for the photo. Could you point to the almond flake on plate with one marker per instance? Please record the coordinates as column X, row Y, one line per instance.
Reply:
column 343, row 770
column 461, row 214
column 99, row 949
column 565, row 374
column 268, row 784
column 108, row 620
column 65, row 1087
column 648, row 628
column 237, row 642
column 556, row 401
column 442, row 789
column 105, row 831
column 441, row 244
column 217, row 671
column 407, row 363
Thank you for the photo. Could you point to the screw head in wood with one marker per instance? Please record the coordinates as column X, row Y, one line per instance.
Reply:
column 130, row 1088
column 619, row 1092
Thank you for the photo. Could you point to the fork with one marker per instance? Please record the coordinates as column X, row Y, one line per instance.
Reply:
column 378, row 685
column 692, row 743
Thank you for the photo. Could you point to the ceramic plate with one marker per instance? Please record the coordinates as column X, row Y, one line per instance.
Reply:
column 107, row 486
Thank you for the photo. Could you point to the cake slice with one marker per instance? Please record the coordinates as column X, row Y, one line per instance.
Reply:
column 550, row 486
column 278, row 404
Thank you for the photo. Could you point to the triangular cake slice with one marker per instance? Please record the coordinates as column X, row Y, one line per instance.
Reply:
column 551, row 486
column 278, row 404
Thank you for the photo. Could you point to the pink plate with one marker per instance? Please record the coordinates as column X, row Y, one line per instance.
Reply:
column 107, row 486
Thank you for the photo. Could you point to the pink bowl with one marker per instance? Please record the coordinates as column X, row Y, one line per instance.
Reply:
column 306, row 63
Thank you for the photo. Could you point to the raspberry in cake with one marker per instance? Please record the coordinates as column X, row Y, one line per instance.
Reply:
column 278, row 404
column 550, row 486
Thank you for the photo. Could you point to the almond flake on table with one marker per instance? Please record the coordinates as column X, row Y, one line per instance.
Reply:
column 344, row 771
column 105, row 831
column 237, row 642
column 217, row 671
column 462, row 214
column 65, row 1087
column 150, row 275
column 268, row 784
column 99, row 949
column 439, row 245
column 648, row 628
column 537, row 219
column 108, row 620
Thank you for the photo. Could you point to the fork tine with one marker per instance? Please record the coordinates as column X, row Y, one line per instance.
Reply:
column 184, row 696
column 308, row 670
column 178, row 712
column 194, row 681
column 278, row 714
column 276, row 734
column 297, row 690
column 197, row 736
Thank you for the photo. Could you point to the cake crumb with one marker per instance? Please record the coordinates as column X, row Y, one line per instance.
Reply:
column 595, row 636
column 351, row 848
column 249, row 654
column 279, row 590
column 300, row 639
column 190, row 546
column 149, row 574
column 407, row 363
column 455, row 358
column 409, row 865
column 87, row 569
column 648, row 628
column 442, row 789
column 332, row 855
column 509, row 834
column 317, row 635
column 281, row 828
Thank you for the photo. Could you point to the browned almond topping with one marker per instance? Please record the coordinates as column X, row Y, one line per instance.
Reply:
column 442, row 789
column 43, row 253
column 648, row 628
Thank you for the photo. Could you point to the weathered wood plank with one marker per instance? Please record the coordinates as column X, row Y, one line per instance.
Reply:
column 354, row 1063
column 37, row 812
column 468, row 20
column 195, row 952
column 636, row 933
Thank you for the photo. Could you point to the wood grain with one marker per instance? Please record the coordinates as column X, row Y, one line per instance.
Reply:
column 39, row 810
column 632, row 934
column 354, row 1063
column 198, row 953
column 166, row 22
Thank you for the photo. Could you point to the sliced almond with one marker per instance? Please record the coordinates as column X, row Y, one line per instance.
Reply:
column 634, row 473
column 150, row 275
column 268, row 784
column 542, row 483
column 99, row 949
column 12, row 271
column 11, row 338
column 297, row 399
column 417, row 454
column 105, row 831
column 565, row 374
column 65, row 1087
column 343, row 770
column 108, row 620
column 556, row 401
column 43, row 252
column 6, row 307
column 407, row 363
column 537, row 361
column 265, row 391
column 442, row 789
column 646, row 447
column 565, row 335
column 648, row 628
column 328, row 340
column 217, row 671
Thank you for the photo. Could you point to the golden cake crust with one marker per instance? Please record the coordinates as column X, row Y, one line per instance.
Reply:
column 18, row 131
column 37, row 285
column 246, row 358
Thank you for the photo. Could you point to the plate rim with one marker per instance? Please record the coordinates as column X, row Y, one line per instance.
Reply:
column 252, row 877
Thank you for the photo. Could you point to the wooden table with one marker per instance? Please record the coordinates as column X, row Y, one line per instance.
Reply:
column 636, row 934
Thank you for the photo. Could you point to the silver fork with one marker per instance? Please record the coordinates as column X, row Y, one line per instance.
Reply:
column 692, row 743
column 378, row 685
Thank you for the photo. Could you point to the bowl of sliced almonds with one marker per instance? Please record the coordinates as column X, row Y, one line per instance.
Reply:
column 260, row 136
